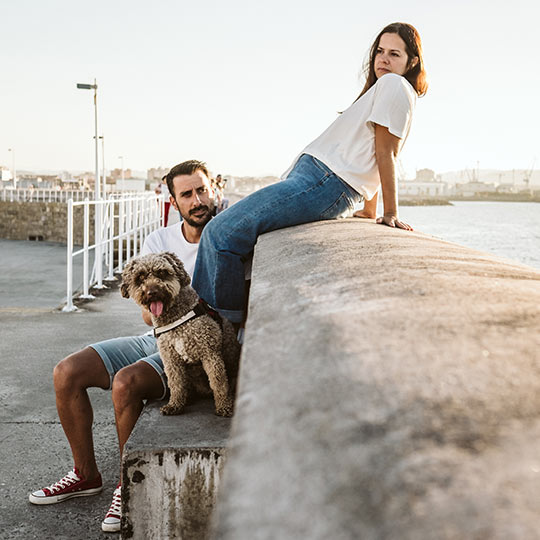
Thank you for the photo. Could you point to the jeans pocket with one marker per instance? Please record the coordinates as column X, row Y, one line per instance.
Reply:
column 338, row 209
column 320, row 165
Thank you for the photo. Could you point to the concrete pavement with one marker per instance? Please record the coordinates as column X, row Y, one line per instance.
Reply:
column 34, row 337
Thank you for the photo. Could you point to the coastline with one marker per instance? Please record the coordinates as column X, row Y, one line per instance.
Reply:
column 491, row 197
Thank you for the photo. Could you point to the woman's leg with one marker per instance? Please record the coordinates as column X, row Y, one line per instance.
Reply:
column 310, row 193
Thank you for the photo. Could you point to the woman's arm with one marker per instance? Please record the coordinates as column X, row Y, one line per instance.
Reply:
column 386, row 150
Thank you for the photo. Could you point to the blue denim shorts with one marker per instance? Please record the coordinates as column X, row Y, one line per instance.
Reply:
column 118, row 353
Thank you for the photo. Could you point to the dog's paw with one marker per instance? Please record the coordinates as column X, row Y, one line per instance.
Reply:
column 170, row 410
column 225, row 411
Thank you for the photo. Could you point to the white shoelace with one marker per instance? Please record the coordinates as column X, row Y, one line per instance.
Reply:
column 116, row 504
column 68, row 480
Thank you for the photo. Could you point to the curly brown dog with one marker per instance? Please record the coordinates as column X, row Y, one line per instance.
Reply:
column 159, row 283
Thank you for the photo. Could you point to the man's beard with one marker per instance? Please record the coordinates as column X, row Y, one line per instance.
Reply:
column 196, row 221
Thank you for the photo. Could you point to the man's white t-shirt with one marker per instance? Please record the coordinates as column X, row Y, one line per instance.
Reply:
column 347, row 147
column 172, row 239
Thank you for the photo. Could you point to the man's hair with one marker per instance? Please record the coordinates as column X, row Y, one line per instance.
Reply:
column 186, row 167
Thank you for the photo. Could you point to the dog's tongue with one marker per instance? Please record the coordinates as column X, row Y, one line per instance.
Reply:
column 156, row 308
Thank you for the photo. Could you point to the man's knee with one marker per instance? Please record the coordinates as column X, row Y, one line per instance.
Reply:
column 80, row 370
column 128, row 386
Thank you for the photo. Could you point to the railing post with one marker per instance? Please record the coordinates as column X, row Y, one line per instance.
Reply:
column 98, row 244
column 128, row 230
column 86, row 242
column 111, row 277
column 120, row 235
column 69, row 289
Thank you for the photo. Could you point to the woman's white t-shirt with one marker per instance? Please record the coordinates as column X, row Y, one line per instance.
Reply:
column 347, row 147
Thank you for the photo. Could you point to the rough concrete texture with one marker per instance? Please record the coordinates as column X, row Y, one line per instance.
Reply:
column 171, row 470
column 389, row 388
column 33, row 449
column 33, row 275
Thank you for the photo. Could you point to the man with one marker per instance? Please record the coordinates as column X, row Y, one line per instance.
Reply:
column 130, row 366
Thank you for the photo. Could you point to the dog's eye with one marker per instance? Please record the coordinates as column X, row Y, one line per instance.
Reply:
column 163, row 274
column 139, row 278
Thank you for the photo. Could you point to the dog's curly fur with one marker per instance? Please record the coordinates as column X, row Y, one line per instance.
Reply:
column 200, row 356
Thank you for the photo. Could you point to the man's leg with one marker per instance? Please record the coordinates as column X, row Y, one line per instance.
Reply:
column 72, row 377
column 131, row 386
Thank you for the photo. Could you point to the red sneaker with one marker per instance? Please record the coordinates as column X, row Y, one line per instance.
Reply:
column 72, row 485
column 112, row 520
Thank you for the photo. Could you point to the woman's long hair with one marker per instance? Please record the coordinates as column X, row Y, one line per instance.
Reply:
column 416, row 74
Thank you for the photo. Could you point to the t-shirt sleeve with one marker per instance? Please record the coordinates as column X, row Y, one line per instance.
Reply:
column 393, row 105
column 151, row 245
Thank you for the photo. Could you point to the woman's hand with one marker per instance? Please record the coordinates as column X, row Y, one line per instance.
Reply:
column 393, row 221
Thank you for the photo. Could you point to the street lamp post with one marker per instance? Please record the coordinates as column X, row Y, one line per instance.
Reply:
column 94, row 88
column 13, row 170
column 97, row 195
column 121, row 158
column 103, row 176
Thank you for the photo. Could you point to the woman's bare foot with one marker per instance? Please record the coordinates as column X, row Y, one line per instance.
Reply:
column 365, row 214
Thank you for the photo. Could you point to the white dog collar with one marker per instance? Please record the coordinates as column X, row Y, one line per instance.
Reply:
column 162, row 329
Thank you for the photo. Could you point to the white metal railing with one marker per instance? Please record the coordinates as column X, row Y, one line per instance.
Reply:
column 121, row 226
column 54, row 195
column 44, row 195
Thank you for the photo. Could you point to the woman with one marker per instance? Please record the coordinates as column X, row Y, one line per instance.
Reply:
column 344, row 165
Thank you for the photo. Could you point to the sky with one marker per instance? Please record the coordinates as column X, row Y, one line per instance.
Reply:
column 246, row 85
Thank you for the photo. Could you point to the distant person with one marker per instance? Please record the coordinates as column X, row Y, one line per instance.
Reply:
column 344, row 165
column 162, row 189
column 218, row 187
column 224, row 200
column 130, row 366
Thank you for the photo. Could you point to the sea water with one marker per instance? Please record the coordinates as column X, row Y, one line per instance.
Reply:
column 506, row 229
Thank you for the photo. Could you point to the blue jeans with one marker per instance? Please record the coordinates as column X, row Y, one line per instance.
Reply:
column 311, row 192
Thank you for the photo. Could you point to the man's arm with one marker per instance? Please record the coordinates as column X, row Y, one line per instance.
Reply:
column 386, row 150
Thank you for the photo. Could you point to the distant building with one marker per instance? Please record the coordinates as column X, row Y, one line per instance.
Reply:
column 472, row 189
column 5, row 174
column 156, row 173
column 248, row 184
column 130, row 184
column 506, row 188
column 117, row 174
column 426, row 184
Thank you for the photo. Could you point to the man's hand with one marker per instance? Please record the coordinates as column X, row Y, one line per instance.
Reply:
column 393, row 221
column 147, row 317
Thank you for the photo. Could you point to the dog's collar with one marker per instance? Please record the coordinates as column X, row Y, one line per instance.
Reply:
column 202, row 308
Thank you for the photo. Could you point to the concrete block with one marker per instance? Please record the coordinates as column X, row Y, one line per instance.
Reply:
column 389, row 389
column 171, row 473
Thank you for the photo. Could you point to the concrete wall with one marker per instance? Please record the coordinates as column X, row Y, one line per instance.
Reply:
column 171, row 470
column 41, row 220
column 389, row 388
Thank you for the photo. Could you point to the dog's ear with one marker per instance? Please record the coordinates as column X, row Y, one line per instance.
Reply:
column 124, row 289
column 126, row 278
column 178, row 266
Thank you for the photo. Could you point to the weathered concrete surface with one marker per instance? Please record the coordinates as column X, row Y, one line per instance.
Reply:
column 33, row 274
column 171, row 471
column 33, row 449
column 389, row 388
